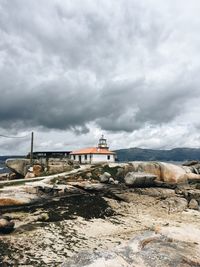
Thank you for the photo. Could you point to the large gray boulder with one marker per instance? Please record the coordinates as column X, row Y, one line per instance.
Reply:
column 166, row 172
column 193, row 204
column 139, row 179
column 104, row 178
column 19, row 166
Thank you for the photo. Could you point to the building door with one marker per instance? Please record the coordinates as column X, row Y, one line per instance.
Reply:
column 79, row 159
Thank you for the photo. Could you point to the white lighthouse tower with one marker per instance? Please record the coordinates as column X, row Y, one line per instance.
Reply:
column 103, row 143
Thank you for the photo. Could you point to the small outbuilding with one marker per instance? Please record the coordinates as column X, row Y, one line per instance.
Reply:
column 91, row 155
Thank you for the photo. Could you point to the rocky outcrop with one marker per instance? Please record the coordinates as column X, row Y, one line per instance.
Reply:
column 58, row 168
column 195, row 168
column 38, row 170
column 132, row 211
column 193, row 204
column 36, row 193
column 191, row 163
column 4, row 176
column 14, row 176
column 19, row 166
column 166, row 172
column 113, row 181
column 104, row 178
column 17, row 199
column 139, row 179
column 189, row 193
column 175, row 204
column 167, row 246
column 161, row 193
column 6, row 224
column 22, row 167
column 29, row 175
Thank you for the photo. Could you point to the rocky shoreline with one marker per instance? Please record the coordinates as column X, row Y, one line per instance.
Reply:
column 95, row 215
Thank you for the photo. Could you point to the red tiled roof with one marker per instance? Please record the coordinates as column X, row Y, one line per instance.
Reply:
column 92, row 150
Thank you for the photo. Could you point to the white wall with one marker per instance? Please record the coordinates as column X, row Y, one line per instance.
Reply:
column 102, row 158
column 83, row 160
column 95, row 158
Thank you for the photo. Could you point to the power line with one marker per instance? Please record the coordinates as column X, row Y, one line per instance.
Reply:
column 6, row 136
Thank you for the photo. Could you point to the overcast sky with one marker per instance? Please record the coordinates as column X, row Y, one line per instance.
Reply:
column 72, row 70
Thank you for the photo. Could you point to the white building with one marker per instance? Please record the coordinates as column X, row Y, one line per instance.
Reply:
column 101, row 153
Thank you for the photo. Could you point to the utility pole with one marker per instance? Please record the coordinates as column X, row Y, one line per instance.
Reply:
column 31, row 154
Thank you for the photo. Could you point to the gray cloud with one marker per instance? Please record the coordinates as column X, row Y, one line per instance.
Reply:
column 120, row 66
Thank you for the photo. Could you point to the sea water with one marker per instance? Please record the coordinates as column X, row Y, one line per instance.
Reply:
column 3, row 168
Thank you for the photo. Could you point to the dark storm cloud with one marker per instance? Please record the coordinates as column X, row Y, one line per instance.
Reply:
column 65, row 64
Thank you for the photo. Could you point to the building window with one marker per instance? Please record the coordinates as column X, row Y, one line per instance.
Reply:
column 85, row 157
column 108, row 157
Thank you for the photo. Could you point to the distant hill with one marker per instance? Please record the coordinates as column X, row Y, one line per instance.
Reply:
column 176, row 154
